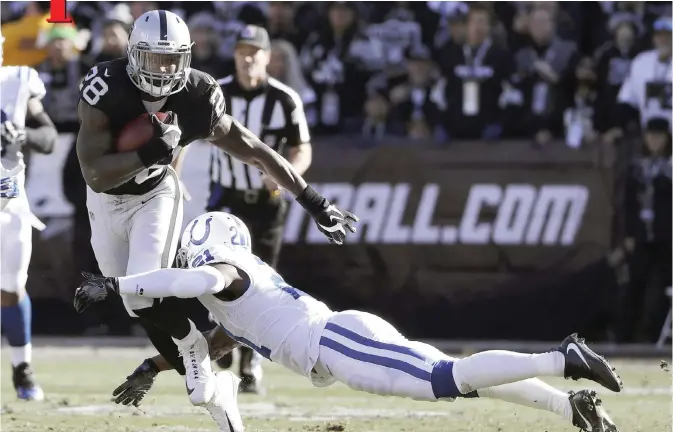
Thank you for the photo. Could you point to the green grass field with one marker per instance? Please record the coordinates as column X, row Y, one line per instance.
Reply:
column 79, row 381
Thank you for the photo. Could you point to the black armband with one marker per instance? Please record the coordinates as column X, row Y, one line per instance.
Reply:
column 41, row 139
column 312, row 201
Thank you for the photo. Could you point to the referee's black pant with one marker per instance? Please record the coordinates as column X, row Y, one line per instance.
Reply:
column 264, row 215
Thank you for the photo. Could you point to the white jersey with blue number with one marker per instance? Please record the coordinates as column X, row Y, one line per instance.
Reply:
column 280, row 322
column 18, row 84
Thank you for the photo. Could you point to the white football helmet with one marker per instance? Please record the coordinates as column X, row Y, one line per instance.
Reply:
column 212, row 229
column 159, row 53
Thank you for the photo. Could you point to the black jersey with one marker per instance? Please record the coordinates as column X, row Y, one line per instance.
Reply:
column 199, row 107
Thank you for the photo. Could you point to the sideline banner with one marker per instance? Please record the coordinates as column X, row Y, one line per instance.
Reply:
column 471, row 240
column 467, row 240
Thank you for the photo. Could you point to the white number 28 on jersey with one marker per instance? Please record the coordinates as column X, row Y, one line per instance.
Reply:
column 93, row 86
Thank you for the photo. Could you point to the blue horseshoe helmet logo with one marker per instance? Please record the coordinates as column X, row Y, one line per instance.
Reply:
column 203, row 239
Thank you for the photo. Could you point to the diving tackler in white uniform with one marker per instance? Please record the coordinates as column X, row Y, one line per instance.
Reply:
column 363, row 351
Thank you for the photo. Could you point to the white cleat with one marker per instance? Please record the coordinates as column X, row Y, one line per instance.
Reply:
column 224, row 406
column 200, row 378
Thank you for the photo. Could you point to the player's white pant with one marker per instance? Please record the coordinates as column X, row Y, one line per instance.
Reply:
column 16, row 232
column 133, row 234
column 367, row 353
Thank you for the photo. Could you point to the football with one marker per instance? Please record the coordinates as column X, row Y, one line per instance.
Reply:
column 136, row 133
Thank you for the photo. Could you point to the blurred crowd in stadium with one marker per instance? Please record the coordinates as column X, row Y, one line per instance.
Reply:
column 388, row 68
column 545, row 71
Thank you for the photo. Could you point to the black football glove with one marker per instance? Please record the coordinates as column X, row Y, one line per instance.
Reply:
column 330, row 220
column 94, row 289
column 136, row 386
column 159, row 150
column 334, row 222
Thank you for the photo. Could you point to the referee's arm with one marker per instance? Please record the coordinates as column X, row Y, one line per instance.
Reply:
column 300, row 152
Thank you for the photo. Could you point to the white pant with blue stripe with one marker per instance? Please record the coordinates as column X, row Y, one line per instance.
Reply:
column 367, row 353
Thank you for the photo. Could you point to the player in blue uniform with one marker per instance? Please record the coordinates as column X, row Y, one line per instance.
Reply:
column 21, row 90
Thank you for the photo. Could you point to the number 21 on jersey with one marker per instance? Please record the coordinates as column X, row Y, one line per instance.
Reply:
column 203, row 258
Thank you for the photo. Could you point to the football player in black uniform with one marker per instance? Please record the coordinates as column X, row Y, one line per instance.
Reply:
column 134, row 198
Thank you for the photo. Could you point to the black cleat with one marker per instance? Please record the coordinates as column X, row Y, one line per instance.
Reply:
column 24, row 383
column 582, row 362
column 250, row 385
column 588, row 412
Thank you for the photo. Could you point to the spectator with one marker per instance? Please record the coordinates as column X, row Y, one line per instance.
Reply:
column 228, row 25
column 613, row 61
column 376, row 110
column 474, row 74
column 452, row 25
column 205, row 55
column 403, row 105
column 567, row 19
column 423, row 15
column 397, row 33
column 284, row 66
column 113, row 41
column 648, row 229
column 61, row 73
column 120, row 13
column 21, row 37
column 339, row 60
column 281, row 23
column 564, row 18
column 517, row 29
column 545, row 74
column 140, row 7
column 12, row 11
column 644, row 13
column 646, row 93
column 87, row 15
column 412, row 103
column 250, row 12
column 579, row 116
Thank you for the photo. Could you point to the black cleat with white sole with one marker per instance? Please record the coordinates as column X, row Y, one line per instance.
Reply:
column 582, row 362
column 588, row 412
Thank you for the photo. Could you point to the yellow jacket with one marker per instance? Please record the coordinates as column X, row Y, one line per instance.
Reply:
column 20, row 36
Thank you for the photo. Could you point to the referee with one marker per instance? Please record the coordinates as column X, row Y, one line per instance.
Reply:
column 274, row 112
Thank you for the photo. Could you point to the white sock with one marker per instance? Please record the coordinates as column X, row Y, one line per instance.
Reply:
column 192, row 337
column 22, row 354
column 492, row 368
column 532, row 393
column 256, row 366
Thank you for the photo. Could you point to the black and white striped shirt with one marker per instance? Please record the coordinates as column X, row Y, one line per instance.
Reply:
column 273, row 112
